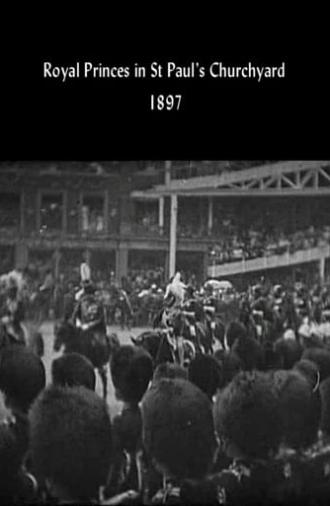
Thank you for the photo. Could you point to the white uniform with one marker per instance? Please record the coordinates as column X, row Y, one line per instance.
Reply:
column 177, row 289
column 85, row 272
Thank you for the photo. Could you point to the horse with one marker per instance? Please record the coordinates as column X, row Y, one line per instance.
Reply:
column 31, row 338
column 96, row 346
column 161, row 347
column 184, row 324
column 121, row 308
column 214, row 326
column 34, row 338
column 39, row 303
column 7, row 339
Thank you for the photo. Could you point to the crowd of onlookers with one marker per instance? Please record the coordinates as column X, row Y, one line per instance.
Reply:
column 246, row 244
column 247, row 425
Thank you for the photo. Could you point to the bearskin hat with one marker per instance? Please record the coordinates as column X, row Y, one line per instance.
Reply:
column 321, row 357
column 70, row 440
column 299, row 418
column 289, row 352
column 250, row 352
column 235, row 331
column 170, row 371
column 131, row 371
column 22, row 375
column 246, row 414
column 178, row 429
column 206, row 373
column 230, row 364
column 325, row 406
column 73, row 369
column 309, row 370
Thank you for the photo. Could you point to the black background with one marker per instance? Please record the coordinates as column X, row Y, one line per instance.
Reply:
column 110, row 119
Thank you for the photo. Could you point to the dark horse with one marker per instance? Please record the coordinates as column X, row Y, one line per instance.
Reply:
column 96, row 346
column 30, row 337
column 159, row 345
column 6, row 339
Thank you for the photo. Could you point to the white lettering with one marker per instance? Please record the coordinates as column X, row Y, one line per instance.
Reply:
column 47, row 67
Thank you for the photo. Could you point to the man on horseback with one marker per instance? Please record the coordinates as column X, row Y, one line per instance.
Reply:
column 12, row 313
column 175, row 291
column 173, row 299
column 88, row 313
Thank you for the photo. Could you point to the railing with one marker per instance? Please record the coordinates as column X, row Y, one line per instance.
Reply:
column 270, row 262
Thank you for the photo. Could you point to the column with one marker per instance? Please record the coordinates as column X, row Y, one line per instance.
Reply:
column 322, row 269
column 57, row 258
column 121, row 262
column 22, row 212
column 167, row 264
column 206, row 265
column 168, row 165
column 21, row 255
column 210, row 216
column 38, row 210
column 293, row 215
column 161, row 215
column 106, row 212
column 173, row 225
column 65, row 212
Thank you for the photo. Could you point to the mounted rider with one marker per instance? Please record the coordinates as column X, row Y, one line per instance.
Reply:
column 88, row 313
column 12, row 311
column 173, row 299
column 175, row 291
column 46, row 293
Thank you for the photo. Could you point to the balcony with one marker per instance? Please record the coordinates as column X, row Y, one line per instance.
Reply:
column 270, row 262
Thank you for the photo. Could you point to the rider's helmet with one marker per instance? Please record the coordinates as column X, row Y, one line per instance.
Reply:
column 88, row 287
column 190, row 291
column 12, row 288
column 257, row 291
column 326, row 313
column 278, row 291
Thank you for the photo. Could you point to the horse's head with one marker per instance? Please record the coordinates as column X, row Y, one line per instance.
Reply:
column 114, row 342
column 149, row 340
column 3, row 336
column 63, row 331
column 58, row 336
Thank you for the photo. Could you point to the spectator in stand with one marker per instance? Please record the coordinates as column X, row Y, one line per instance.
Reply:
column 253, row 243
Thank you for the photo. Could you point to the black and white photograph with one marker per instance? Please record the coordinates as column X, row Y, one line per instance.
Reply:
column 165, row 332
column 164, row 263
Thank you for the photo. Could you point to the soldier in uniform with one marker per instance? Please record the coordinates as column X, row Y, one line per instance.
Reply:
column 88, row 313
column 12, row 313
column 131, row 372
column 247, row 420
column 300, row 454
column 180, row 442
column 22, row 378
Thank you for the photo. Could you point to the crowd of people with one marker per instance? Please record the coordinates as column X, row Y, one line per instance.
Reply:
column 247, row 244
column 246, row 424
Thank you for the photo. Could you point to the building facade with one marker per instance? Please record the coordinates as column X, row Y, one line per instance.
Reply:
column 121, row 213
